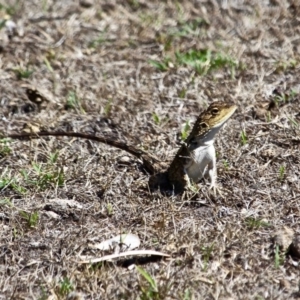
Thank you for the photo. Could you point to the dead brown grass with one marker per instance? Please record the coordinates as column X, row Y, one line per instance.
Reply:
column 90, row 59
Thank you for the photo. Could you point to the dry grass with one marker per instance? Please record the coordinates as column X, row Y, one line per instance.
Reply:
column 129, row 69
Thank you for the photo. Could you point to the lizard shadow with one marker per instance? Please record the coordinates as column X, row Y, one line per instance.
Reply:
column 160, row 182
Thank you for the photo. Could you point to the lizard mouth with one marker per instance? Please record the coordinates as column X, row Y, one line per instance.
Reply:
column 228, row 115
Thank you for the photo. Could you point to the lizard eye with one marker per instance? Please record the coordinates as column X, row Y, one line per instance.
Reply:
column 215, row 111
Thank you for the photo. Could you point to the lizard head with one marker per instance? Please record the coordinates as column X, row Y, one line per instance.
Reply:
column 210, row 122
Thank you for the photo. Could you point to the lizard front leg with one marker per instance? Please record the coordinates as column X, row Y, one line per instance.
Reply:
column 212, row 170
column 212, row 173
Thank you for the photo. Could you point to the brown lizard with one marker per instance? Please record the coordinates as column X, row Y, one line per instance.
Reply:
column 195, row 159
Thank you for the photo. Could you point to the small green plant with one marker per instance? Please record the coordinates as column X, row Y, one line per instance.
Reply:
column 283, row 66
column 56, row 178
column 155, row 242
column 31, row 218
column 43, row 294
column 189, row 29
column 65, row 286
column 25, row 175
column 53, row 157
column 185, row 130
column 4, row 149
column 187, row 295
column 180, row 11
column 59, row 177
column 151, row 290
column 15, row 232
column 96, row 266
column 279, row 258
column 244, row 138
column 161, row 66
column 37, row 168
column 204, row 61
column 102, row 39
column 134, row 4
column 281, row 173
column 10, row 9
column 293, row 122
column 18, row 188
column 109, row 209
column 206, row 255
column 168, row 44
column 73, row 102
column 5, row 201
column 293, row 93
column 48, row 64
column 2, row 23
column 225, row 164
column 156, row 118
column 253, row 223
column 166, row 40
column 107, row 107
column 6, row 182
column 199, row 60
column 46, row 177
column 268, row 117
column 278, row 99
column 285, row 97
column 23, row 73
column 182, row 93
column 147, row 19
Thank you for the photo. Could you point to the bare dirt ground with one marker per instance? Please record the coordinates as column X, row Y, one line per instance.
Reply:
column 139, row 70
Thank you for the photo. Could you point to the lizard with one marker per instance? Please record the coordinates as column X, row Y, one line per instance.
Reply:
column 194, row 160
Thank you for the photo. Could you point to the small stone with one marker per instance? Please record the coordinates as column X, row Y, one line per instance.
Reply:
column 125, row 159
column 51, row 214
column 260, row 113
column 65, row 203
column 131, row 267
column 86, row 3
column 269, row 153
column 284, row 284
column 10, row 25
column 283, row 238
column 75, row 296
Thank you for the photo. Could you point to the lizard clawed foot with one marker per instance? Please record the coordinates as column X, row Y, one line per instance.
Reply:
column 216, row 190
